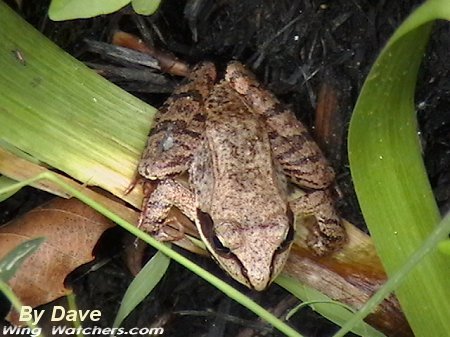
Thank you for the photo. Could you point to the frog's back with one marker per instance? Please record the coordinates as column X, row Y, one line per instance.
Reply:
column 241, row 172
column 240, row 191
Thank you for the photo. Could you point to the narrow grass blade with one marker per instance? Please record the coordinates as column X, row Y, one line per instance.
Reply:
column 72, row 305
column 14, row 259
column 142, row 285
column 333, row 311
column 389, row 175
column 17, row 305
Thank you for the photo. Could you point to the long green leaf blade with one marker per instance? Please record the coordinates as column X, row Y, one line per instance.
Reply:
column 389, row 174
column 142, row 285
column 4, row 183
column 14, row 259
column 322, row 304
column 62, row 113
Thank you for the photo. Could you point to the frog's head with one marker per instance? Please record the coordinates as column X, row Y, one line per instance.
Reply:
column 252, row 255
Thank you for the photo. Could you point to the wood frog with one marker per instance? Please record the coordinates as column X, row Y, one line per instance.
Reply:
column 242, row 150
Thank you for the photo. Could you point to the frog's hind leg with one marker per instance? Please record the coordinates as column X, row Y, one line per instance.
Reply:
column 293, row 147
column 179, row 126
column 327, row 233
column 300, row 157
column 164, row 195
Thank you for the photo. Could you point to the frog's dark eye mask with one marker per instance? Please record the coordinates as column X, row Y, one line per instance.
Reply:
column 207, row 225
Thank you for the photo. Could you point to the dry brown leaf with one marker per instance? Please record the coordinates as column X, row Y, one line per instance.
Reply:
column 71, row 229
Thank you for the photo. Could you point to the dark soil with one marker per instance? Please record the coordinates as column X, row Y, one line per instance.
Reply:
column 294, row 47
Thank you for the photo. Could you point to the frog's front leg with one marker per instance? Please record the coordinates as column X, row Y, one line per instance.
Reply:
column 327, row 233
column 180, row 123
column 167, row 193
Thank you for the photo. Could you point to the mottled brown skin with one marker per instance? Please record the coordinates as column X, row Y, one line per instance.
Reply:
column 179, row 127
column 241, row 190
column 239, row 145
column 300, row 156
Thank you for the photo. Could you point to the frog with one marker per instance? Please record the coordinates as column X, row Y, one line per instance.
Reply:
column 228, row 155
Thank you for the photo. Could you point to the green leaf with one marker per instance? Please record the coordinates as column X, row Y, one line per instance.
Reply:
column 389, row 175
column 79, row 9
column 438, row 234
column 5, row 182
column 72, row 304
column 55, row 109
column 5, row 289
column 14, row 259
column 333, row 311
column 142, row 285
column 145, row 7
column 444, row 247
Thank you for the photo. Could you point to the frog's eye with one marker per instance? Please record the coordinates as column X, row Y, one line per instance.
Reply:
column 207, row 228
column 290, row 234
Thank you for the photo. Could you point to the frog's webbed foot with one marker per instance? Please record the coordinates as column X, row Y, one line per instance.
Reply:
column 137, row 179
column 327, row 234
column 162, row 195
